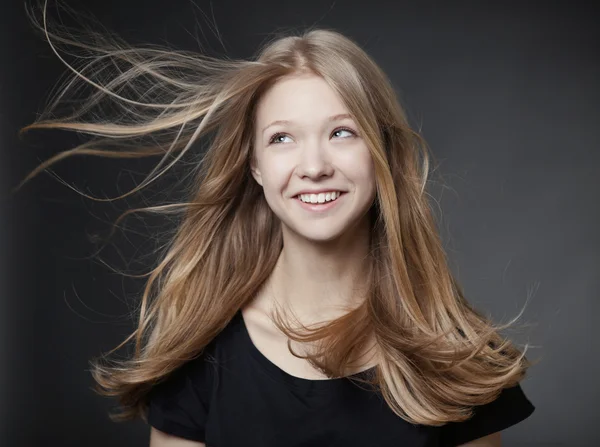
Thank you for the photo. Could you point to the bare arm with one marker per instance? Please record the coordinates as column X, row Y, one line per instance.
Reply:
column 492, row 440
column 161, row 439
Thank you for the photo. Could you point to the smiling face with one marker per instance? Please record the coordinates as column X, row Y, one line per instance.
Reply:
column 305, row 142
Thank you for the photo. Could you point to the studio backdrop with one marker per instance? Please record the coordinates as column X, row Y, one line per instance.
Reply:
column 507, row 97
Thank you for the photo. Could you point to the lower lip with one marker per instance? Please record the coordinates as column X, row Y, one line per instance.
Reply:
column 319, row 207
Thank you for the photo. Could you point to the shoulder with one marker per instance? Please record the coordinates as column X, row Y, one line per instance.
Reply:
column 509, row 408
column 180, row 403
column 198, row 373
column 187, row 385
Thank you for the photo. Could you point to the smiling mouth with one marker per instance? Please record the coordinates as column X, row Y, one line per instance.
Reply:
column 325, row 202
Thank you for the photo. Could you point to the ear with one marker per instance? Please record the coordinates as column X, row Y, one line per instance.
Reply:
column 255, row 171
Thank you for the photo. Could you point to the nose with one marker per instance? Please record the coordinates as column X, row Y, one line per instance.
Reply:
column 314, row 162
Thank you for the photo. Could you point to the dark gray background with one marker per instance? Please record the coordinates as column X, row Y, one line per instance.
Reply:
column 507, row 97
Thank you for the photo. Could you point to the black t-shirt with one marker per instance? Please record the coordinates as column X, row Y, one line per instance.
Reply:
column 232, row 396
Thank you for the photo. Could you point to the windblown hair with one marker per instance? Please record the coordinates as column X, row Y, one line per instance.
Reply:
column 438, row 356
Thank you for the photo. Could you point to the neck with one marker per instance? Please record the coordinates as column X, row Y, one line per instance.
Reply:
column 320, row 281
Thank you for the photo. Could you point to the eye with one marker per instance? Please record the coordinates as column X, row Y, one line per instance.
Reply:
column 275, row 139
column 344, row 129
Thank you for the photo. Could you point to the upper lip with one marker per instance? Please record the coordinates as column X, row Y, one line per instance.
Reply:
column 317, row 191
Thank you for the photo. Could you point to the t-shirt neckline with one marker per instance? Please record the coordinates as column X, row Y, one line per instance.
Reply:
column 294, row 381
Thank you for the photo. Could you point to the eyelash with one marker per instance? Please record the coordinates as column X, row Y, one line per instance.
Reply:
column 278, row 134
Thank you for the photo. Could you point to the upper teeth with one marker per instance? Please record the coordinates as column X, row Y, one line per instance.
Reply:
column 319, row 198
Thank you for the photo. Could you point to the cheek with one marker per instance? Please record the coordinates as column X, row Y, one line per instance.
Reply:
column 275, row 174
column 360, row 169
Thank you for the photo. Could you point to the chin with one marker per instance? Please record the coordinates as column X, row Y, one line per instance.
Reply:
column 323, row 238
column 317, row 235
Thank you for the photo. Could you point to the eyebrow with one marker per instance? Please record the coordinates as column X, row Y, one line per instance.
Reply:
column 337, row 117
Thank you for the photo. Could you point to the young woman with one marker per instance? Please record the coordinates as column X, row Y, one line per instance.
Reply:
column 305, row 299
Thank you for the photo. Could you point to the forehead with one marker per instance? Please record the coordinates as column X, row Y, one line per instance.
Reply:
column 301, row 98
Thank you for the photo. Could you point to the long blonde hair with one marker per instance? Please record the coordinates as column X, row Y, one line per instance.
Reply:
column 439, row 357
